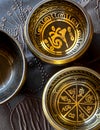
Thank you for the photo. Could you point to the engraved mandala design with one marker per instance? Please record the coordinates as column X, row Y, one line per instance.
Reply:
column 57, row 31
column 72, row 99
column 77, row 104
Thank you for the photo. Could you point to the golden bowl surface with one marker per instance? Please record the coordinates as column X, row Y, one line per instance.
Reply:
column 71, row 99
column 12, row 67
column 58, row 32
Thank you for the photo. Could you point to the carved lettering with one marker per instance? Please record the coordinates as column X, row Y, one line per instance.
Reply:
column 66, row 108
column 71, row 115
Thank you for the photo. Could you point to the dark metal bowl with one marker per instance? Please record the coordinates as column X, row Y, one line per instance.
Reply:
column 58, row 32
column 12, row 67
column 71, row 99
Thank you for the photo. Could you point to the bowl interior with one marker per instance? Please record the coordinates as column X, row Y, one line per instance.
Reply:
column 12, row 67
column 71, row 99
column 58, row 29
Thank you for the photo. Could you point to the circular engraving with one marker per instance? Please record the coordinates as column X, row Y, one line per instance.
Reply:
column 77, row 103
column 58, row 32
column 71, row 99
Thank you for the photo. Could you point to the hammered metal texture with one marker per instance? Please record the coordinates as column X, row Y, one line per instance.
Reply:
column 13, row 14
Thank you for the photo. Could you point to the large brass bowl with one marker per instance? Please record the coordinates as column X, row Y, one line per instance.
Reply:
column 58, row 31
column 12, row 67
column 71, row 99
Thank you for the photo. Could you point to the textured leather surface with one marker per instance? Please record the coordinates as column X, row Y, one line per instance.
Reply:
column 24, row 111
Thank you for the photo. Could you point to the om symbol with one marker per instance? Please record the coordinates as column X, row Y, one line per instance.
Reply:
column 58, row 36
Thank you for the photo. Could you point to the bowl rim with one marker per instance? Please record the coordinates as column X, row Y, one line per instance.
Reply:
column 63, row 59
column 47, row 87
column 23, row 77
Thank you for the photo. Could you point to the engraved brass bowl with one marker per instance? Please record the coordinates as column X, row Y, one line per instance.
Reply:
column 71, row 99
column 58, row 32
column 12, row 67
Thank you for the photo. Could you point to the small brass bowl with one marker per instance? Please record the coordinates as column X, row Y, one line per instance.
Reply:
column 12, row 67
column 58, row 32
column 71, row 99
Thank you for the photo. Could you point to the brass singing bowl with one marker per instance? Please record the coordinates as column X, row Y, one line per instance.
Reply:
column 71, row 99
column 12, row 67
column 58, row 32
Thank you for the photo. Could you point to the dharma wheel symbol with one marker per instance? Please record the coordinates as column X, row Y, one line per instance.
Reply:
column 77, row 103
